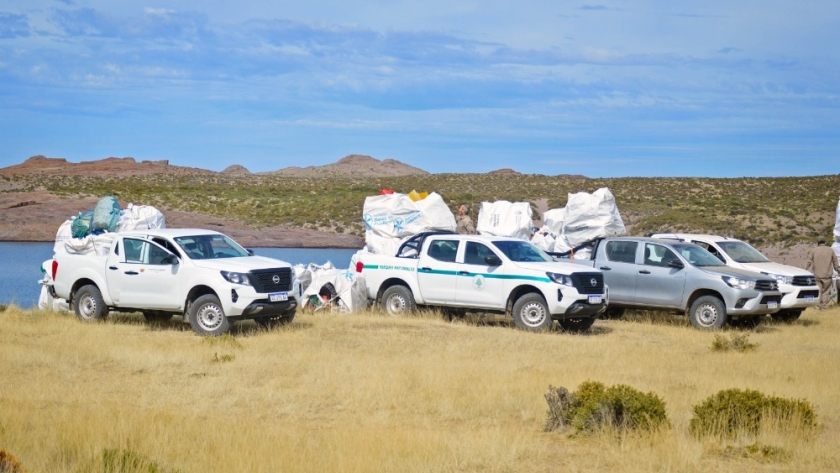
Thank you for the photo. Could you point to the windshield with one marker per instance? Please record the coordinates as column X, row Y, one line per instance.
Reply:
column 695, row 255
column 742, row 252
column 521, row 251
column 210, row 247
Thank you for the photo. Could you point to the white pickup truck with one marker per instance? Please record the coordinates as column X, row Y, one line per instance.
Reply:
column 202, row 275
column 493, row 274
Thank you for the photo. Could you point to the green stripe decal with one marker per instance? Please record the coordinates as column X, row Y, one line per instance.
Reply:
column 447, row 272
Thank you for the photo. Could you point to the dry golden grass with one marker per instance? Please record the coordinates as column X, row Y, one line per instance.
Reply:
column 367, row 392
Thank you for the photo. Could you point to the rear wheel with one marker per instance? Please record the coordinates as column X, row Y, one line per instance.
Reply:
column 530, row 312
column 787, row 315
column 577, row 325
column 89, row 305
column 707, row 313
column 398, row 300
column 207, row 316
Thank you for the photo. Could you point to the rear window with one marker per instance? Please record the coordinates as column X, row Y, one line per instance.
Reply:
column 622, row 251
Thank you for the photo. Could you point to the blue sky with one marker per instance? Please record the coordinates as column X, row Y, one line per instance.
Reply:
column 605, row 89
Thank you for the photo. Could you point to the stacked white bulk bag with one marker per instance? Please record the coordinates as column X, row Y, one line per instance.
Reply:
column 836, row 245
column 390, row 218
column 506, row 219
column 554, row 219
column 591, row 216
column 342, row 289
column 140, row 217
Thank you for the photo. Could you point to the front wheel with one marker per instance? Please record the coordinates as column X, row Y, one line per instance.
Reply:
column 273, row 321
column 707, row 313
column 577, row 325
column 530, row 312
column 207, row 316
column 89, row 305
column 398, row 300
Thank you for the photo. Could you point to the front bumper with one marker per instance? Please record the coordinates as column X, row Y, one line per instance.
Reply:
column 799, row 297
column 750, row 302
column 243, row 302
column 568, row 303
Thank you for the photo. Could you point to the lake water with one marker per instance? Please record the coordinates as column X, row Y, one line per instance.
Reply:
column 20, row 266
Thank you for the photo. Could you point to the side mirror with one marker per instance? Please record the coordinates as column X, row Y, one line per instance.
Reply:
column 492, row 260
column 171, row 259
column 250, row 252
column 675, row 264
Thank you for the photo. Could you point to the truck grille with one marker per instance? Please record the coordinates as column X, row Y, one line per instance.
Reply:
column 264, row 280
column 583, row 282
column 804, row 294
column 766, row 285
column 776, row 299
column 804, row 281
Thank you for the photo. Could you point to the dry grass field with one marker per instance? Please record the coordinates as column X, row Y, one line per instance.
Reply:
column 371, row 393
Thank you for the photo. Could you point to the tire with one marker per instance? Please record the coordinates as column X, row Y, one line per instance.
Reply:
column 207, row 316
column 273, row 321
column 157, row 316
column 707, row 313
column 398, row 300
column 89, row 305
column 530, row 312
column 577, row 325
column 787, row 315
column 613, row 313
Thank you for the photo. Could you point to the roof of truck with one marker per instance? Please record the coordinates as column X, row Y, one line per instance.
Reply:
column 695, row 236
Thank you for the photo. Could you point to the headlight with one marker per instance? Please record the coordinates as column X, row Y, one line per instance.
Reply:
column 738, row 283
column 563, row 279
column 236, row 278
column 781, row 279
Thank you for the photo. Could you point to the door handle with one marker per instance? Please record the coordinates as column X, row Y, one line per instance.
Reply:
column 644, row 271
column 112, row 268
column 605, row 268
column 465, row 273
column 425, row 269
column 132, row 273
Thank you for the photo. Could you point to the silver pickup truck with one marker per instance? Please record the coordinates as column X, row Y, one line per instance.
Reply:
column 647, row 273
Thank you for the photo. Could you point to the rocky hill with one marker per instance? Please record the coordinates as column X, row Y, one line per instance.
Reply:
column 354, row 165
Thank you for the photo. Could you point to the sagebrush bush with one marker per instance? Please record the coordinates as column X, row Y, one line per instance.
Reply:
column 735, row 412
column 739, row 343
column 594, row 406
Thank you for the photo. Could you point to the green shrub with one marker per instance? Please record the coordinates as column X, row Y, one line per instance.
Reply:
column 595, row 406
column 3, row 307
column 127, row 461
column 734, row 412
column 739, row 343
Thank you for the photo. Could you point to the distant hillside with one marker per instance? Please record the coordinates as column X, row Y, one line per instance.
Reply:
column 354, row 165
column 108, row 167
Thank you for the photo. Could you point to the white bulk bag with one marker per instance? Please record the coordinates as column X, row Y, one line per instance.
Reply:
column 553, row 220
column 350, row 290
column 837, row 223
column 591, row 216
column 140, row 217
column 65, row 232
column 392, row 217
column 503, row 218
column 544, row 239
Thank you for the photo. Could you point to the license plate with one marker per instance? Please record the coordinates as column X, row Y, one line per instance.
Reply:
column 595, row 299
column 810, row 299
column 278, row 296
column 772, row 304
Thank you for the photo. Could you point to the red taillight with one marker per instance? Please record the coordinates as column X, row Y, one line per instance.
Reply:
column 359, row 266
column 54, row 269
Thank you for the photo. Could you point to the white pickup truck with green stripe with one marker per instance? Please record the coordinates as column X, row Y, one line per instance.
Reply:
column 487, row 273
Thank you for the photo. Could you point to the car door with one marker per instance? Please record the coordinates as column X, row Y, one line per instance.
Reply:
column 437, row 271
column 658, row 284
column 144, row 278
column 617, row 262
column 479, row 284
